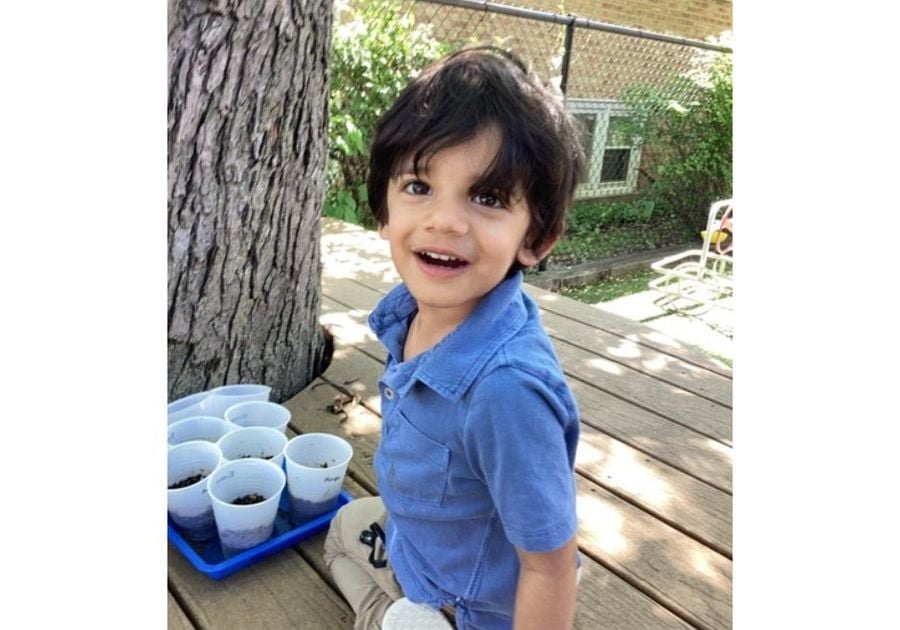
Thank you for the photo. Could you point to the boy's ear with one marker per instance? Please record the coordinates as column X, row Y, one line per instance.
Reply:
column 528, row 256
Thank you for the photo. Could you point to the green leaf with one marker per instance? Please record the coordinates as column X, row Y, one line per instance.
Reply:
column 377, row 47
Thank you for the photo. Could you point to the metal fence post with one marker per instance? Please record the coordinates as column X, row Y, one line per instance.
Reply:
column 564, row 80
column 567, row 54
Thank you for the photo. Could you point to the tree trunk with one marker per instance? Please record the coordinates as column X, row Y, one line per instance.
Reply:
column 247, row 134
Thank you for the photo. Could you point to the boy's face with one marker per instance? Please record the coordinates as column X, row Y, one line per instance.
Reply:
column 452, row 246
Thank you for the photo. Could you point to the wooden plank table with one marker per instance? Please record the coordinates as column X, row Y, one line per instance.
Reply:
column 653, row 467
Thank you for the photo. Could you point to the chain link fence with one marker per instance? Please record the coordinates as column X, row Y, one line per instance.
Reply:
column 600, row 68
column 612, row 78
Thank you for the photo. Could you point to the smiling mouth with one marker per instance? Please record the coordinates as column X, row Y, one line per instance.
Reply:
column 441, row 260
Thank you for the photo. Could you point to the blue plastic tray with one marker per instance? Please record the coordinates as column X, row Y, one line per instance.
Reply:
column 206, row 556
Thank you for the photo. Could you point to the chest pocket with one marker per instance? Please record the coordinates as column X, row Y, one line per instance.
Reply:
column 417, row 466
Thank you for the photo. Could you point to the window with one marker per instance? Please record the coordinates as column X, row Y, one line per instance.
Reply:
column 612, row 156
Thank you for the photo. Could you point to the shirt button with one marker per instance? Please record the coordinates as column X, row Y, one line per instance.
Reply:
column 389, row 393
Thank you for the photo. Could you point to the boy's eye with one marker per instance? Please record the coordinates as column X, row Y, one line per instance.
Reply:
column 416, row 187
column 488, row 199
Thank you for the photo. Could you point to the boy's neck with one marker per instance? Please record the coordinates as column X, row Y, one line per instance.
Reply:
column 429, row 327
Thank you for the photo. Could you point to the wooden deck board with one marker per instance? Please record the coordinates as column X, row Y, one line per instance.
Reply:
column 281, row 591
column 680, row 573
column 646, row 360
column 678, row 446
column 693, row 507
column 699, row 414
column 626, row 329
column 177, row 620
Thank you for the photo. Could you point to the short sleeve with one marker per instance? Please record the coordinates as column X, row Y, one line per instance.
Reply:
column 520, row 440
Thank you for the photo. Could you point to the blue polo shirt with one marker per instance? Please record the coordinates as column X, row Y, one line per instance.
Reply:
column 476, row 455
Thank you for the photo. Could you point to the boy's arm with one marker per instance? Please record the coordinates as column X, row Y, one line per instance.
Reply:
column 545, row 595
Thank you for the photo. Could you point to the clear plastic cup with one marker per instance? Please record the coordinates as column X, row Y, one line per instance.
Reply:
column 221, row 398
column 259, row 414
column 193, row 405
column 189, row 466
column 243, row 526
column 316, row 464
column 260, row 442
column 206, row 428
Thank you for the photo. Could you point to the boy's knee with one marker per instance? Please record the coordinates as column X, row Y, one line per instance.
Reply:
column 348, row 523
column 334, row 539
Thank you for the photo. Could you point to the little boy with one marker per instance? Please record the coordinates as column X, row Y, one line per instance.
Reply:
column 471, row 172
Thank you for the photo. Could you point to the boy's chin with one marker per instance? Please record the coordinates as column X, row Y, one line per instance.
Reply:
column 438, row 299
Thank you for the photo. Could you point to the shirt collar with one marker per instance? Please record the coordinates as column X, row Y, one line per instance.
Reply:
column 451, row 366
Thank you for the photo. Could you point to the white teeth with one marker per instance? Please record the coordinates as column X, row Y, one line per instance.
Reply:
column 440, row 256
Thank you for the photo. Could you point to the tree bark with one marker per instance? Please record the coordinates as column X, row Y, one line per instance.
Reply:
column 247, row 138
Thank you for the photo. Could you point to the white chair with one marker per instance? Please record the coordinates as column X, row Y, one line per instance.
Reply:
column 701, row 276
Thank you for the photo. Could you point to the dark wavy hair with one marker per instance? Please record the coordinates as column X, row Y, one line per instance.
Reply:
column 464, row 93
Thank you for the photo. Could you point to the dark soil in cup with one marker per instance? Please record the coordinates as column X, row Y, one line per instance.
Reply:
column 188, row 481
column 249, row 499
column 259, row 456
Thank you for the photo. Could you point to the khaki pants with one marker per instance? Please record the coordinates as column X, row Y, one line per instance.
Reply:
column 368, row 590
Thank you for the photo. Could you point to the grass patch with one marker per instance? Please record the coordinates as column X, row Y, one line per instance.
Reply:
column 612, row 288
column 724, row 360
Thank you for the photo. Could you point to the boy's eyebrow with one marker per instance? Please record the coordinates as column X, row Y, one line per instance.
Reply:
column 506, row 195
column 407, row 169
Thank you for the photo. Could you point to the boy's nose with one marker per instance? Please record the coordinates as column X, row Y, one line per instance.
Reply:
column 447, row 216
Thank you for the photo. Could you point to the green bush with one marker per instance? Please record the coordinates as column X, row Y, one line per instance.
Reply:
column 602, row 229
column 376, row 49
column 592, row 216
column 691, row 136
